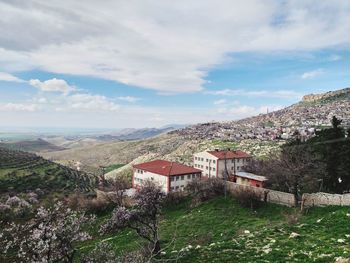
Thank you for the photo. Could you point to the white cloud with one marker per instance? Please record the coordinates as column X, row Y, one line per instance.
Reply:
column 9, row 77
column 256, row 93
column 220, row 102
column 52, row 85
column 243, row 111
column 168, row 46
column 312, row 74
column 334, row 57
column 129, row 99
column 14, row 107
column 88, row 102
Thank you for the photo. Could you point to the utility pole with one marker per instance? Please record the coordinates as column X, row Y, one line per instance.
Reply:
column 225, row 175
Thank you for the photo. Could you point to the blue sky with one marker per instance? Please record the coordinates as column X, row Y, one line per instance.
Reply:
column 148, row 64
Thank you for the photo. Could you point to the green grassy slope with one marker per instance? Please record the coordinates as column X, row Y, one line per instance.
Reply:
column 22, row 171
column 221, row 231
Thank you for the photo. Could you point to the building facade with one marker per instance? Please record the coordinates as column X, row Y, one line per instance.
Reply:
column 170, row 176
column 214, row 163
column 249, row 179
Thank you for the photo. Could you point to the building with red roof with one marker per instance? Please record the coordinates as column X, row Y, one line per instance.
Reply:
column 214, row 163
column 171, row 176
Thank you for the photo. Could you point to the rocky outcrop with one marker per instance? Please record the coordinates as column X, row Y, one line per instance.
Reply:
column 314, row 97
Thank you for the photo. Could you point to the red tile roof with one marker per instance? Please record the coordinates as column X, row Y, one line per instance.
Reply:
column 229, row 154
column 166, row 168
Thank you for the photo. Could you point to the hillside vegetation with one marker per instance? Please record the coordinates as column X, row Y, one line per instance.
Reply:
column 170, row 147
column 220, row 230
column 38, row 145
column 22, row 171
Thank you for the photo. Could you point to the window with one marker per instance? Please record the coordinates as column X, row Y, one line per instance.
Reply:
column 152, row 178
column 237, row 160
column 182, row 177
column 214, row 161
column 213, row 169
column 177, row 178
column 237, row 167
column 202, row 166
column 206, row 167
column 198, row 175
column 172, row 179
column 195, row 157
column 233, row 160
column 232, row 168
column 177, row 187
column 188, row 176
column 193, row 176
column 172, row 188
column 202, row 159
column 207, row 160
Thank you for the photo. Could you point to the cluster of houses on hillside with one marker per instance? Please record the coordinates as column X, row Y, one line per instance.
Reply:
column 172, row 176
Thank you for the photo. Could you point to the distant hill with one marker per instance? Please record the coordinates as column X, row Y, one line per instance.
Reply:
column 38, row 145
column 22, row 171
column 137, row 134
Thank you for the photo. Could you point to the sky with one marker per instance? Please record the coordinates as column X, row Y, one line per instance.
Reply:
column 148, row 63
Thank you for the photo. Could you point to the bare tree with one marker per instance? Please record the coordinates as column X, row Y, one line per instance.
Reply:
column 295, row 170
column 143, row 217
column 115, row 189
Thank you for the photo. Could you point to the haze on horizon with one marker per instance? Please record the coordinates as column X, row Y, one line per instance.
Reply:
column 151, row 63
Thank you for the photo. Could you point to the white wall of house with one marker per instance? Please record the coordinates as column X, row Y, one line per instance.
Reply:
column 233, row 165
column 179, row 182
column 212, row 167
column 243, row 181
column 205, row 162
column 140, row 176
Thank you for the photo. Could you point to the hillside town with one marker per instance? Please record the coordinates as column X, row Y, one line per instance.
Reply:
column 301, row 119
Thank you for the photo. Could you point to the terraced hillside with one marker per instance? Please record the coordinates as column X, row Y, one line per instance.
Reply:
column 22, row 171
column 38, row 145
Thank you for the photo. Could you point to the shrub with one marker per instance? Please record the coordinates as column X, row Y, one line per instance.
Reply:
column 248, row 198
column 174, row 198
column 205, row 189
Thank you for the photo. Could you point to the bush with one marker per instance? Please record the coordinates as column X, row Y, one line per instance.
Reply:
column 174, row 198
column 205, row 189
column 248, row 198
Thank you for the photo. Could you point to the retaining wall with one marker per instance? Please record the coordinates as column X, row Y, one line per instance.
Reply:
column 325, row 199
column 267, row 195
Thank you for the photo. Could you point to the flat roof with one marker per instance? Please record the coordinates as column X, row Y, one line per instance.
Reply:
column 252, row 176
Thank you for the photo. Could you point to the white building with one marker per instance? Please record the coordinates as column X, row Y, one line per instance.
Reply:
column 212, row 163
column 170, row 176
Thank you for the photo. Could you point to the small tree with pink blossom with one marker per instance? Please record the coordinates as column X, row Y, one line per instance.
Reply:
column 143, row 217
column 49, row 237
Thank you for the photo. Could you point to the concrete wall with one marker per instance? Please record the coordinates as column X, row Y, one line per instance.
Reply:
column 140, row 176
column 179, row 182
column 212, row 167
column 272, row 196
column 325, row 199
column 205, row 162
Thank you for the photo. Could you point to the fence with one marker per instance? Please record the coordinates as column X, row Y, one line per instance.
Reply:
column 267, row 195
column 325, row 199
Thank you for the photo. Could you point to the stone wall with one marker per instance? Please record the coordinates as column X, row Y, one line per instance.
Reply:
column 325, row 199
column 267, row 195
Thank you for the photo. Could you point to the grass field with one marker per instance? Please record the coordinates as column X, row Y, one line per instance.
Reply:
column 221, row 231
column 113, row 167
